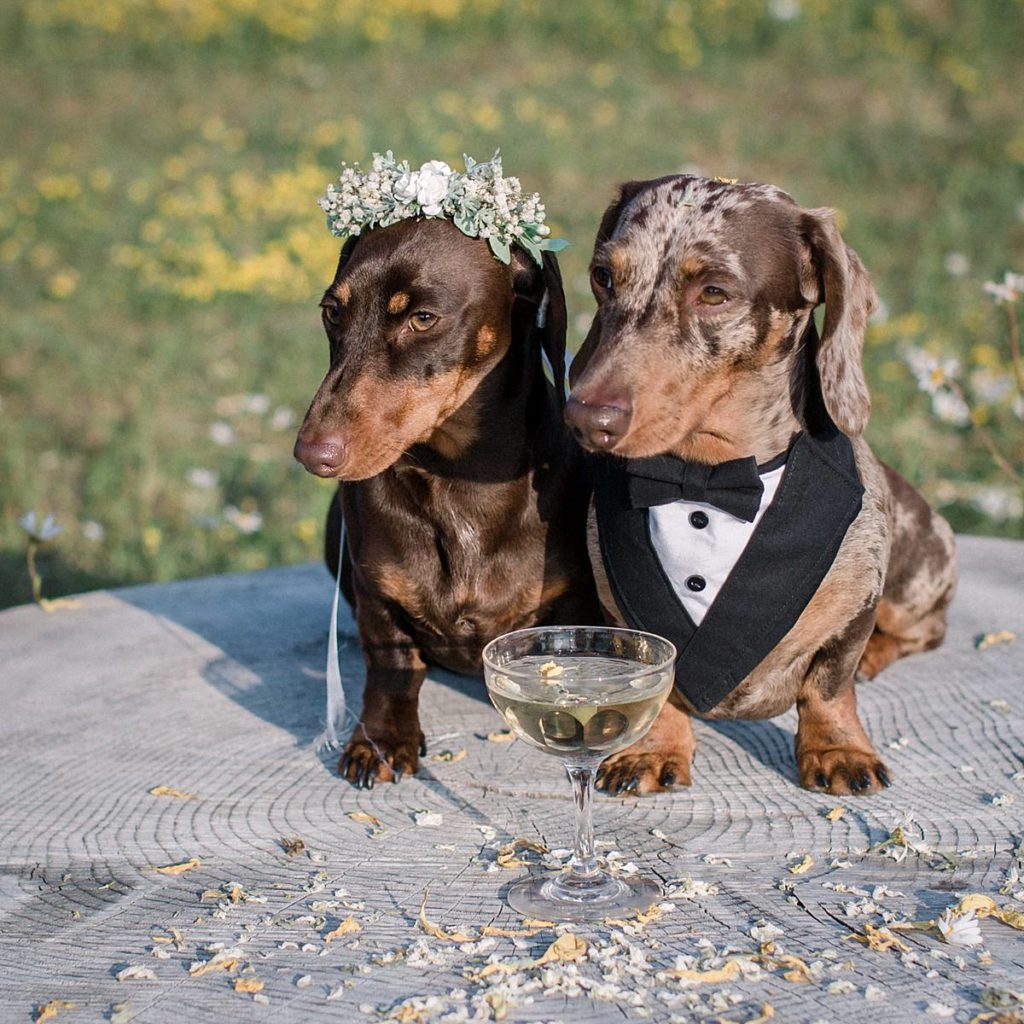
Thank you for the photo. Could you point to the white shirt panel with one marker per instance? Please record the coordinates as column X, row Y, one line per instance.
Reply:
column 711, row 552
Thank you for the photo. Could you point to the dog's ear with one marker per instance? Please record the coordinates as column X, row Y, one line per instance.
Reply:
column 552, row 321
column 346, row 253
column 541, row 288
column 834, row 274
column 609, row 222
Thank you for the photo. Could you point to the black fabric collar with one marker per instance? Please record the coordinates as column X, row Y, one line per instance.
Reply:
column 783, row 564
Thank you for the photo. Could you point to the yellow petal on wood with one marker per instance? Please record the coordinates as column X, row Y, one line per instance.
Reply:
column 228, row 964
column 507, row 852
column 565, row 948
column 805, row 865
column 642, row 917
column 180, row 869
column 173, row 935
column 796, row 970
column 448, row 756
column 981, row 904
column 529, row 929
column 501, row 968
column 409, row 1015
column 836, row 813
column 364, row 819
column 881, row 939
column 715, row 976
column 1002, row 636
column 171, row 791
column 49, row 1010
column 1014, row 918
column 248, row 985
column 501, row 736
column 350, row 926
column 436, row 930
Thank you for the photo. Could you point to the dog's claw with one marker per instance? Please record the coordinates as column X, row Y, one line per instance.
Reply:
column 371, row 757
column 843, row 771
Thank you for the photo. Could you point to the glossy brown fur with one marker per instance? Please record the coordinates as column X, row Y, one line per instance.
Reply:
column 463, row 495
column 715, row 382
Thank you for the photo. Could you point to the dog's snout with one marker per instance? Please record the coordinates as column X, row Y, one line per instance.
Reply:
column 321, row 456
column 599, row 423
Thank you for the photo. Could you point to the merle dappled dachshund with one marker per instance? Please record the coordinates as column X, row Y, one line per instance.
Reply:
column 463, row 493
column 704, row 353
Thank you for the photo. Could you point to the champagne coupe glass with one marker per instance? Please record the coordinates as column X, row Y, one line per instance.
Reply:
column 580, row 693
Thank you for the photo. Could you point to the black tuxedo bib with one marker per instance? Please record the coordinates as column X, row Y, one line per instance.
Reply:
column 787, row 556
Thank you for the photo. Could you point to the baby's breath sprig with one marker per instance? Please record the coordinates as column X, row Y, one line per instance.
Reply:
column 481, row 202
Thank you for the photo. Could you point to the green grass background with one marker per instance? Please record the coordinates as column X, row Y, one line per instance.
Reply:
column 161, row 251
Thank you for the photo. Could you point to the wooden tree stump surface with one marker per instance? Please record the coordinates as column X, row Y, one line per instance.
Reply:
column 214, row 687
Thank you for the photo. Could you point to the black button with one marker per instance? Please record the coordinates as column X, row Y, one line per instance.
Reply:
column 696, row 583
column 698, row 520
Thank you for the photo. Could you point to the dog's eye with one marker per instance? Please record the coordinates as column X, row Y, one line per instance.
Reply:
column 421, row 320
column 331, row 312
column 602, row 278
column 712, row 296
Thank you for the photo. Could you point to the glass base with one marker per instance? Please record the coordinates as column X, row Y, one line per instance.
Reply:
column 565, row 897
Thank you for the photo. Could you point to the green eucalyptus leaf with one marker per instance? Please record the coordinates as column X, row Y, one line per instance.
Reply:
column 500, row 249
column 532, row 248
column 555, row 244
column 466, row 223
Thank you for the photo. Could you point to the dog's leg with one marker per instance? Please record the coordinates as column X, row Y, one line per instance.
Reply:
column 388, row 740
column 919, row 582
column 657, row 762
column 833, row 751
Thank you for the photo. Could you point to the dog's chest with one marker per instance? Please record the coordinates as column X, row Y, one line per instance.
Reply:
column 455, row 581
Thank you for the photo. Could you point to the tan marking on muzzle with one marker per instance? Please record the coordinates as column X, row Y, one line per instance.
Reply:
column 398, row 302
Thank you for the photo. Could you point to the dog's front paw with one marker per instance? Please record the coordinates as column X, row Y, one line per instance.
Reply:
column 842, row 771
column 386, row 755
column 635, row 772
column 655, row 763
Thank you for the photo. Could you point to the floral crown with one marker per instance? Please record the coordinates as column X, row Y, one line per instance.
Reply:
column 482, row 202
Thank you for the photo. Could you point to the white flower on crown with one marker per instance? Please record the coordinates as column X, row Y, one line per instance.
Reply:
column 432, row 187
column 481, row 202
column 407, row 186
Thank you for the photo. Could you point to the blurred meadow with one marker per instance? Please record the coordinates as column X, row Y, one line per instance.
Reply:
column 162, row 253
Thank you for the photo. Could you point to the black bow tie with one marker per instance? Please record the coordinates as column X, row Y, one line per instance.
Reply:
column 734, row 487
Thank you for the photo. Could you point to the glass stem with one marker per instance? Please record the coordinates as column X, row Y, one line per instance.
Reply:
column 583, row 863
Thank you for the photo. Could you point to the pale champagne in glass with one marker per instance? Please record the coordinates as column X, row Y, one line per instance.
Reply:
column 580, row 693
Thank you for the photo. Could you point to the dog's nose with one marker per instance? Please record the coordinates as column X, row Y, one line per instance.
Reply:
column 600, row 422
column 320, row 457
